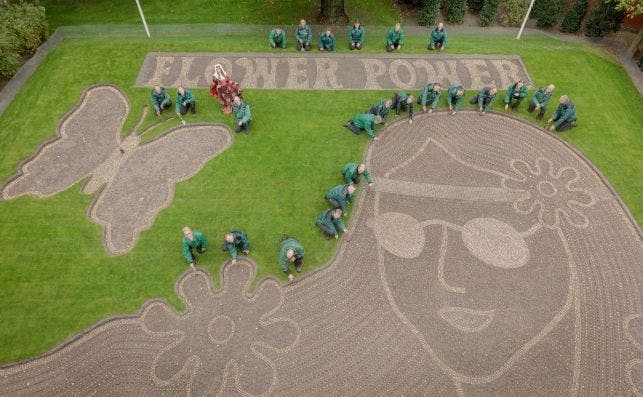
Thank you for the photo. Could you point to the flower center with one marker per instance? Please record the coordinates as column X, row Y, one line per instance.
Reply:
column 220, row 329
column 547, row 189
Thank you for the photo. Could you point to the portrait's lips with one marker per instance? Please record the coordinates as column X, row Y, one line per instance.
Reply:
column 465, row 319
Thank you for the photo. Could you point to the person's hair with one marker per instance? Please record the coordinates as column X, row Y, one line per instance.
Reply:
column 186, row 229
column 378, row 119
column 397, row 25
column 553, row 87
column 564, row 98
column 519, row 81
column 290, row 253
column 278, row 27
column 388, row 102
column 409, row 99
column 356, row 23
column 350, row 185
column 336, row 210
column 438, row 84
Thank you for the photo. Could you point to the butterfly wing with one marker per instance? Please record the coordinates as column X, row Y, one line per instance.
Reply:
column 144, row 184
column 87, row 136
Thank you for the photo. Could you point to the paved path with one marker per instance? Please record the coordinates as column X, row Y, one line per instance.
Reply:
column 489, row 258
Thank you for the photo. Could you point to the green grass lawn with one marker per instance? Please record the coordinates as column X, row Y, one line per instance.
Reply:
column 287, row 12
column 55, row 276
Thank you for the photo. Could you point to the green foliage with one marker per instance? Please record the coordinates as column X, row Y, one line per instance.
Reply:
column 9, row 60
column 24, row 25
column 430, row 12
column 574, row 17
column 603, row 18
column 631, row 8
column 455, row 10
column 513, row 12
column 548, row 12
column 488, row 12
column 475, row 5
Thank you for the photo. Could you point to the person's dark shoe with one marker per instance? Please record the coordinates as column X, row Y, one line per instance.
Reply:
column 284, row 237
column 298, row 268
column 326, row 236
column 246, row 252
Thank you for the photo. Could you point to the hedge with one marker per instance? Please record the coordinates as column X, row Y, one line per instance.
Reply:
column 488, row 12
column 603, row 18
column 456, row 10
column 430, row 12
column 513, row 12
column 23, row 27
column 574, row 17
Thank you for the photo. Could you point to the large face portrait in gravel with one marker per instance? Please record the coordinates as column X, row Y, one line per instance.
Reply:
column 482, row 226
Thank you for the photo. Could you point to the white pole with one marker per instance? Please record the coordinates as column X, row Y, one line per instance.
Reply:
column 524, row 22
column 140, row 11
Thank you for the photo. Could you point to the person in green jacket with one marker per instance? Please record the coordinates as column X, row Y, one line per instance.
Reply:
column 394, row 38
column 330, row 222
column 381, row 108
column 430, row 95
column 403, row 101
column 304, row 35
column 291, row 250
column 352, row 172
column 485, row 99
column 340, row 196
column 455, row 96
column 242, row 115
column 356, row 36
column 236, row 240
column 277, row 38
column 564, row 117
column 193, row 240
column 540, row 100
column 160, row 99
column 366, row 122
column 184, row 101
column 515, row 92
column 438, row 38
column 327, row 41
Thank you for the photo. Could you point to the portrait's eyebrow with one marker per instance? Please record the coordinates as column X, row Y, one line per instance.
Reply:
column 451, row 192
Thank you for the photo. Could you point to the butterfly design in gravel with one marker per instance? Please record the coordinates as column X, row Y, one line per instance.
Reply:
column 134, row 182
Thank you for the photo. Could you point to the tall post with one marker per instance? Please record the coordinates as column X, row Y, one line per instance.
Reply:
column 524, row 22
column 140, row 11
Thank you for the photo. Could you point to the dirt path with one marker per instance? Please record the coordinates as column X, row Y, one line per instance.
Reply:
column 489, row 258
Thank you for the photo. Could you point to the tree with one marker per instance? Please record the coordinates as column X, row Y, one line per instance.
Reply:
column 332, row 11
column 631, row 8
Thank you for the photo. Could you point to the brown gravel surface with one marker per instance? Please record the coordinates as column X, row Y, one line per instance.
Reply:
column 488, row 258
column 134, row 182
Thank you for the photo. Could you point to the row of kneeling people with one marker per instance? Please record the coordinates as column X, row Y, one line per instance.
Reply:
column 563, row 118
column 185, row 101
column 291, row 249
column 327, row 42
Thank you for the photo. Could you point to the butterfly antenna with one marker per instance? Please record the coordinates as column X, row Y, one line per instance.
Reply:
column 140, row 120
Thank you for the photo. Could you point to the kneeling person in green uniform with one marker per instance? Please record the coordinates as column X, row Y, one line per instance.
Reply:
column 303, row 35
column 184, row 101
column 564, row 117
column 327, row 41
column 403, row 101
column 515, row 92
column 277, row 38
column 353, row 171
column 540, row 100
column 381, row 108
column 356, row 36
column 455, row 96
column 193, row 240
column 340, row 196
column 485, row 99
column 330, row 222
column 234, row 241
column 242, row 115
column 394, row 38
column 430, row 95
column 438, row 38
column 160, row 99
column 291, row 250
column 366, row 122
